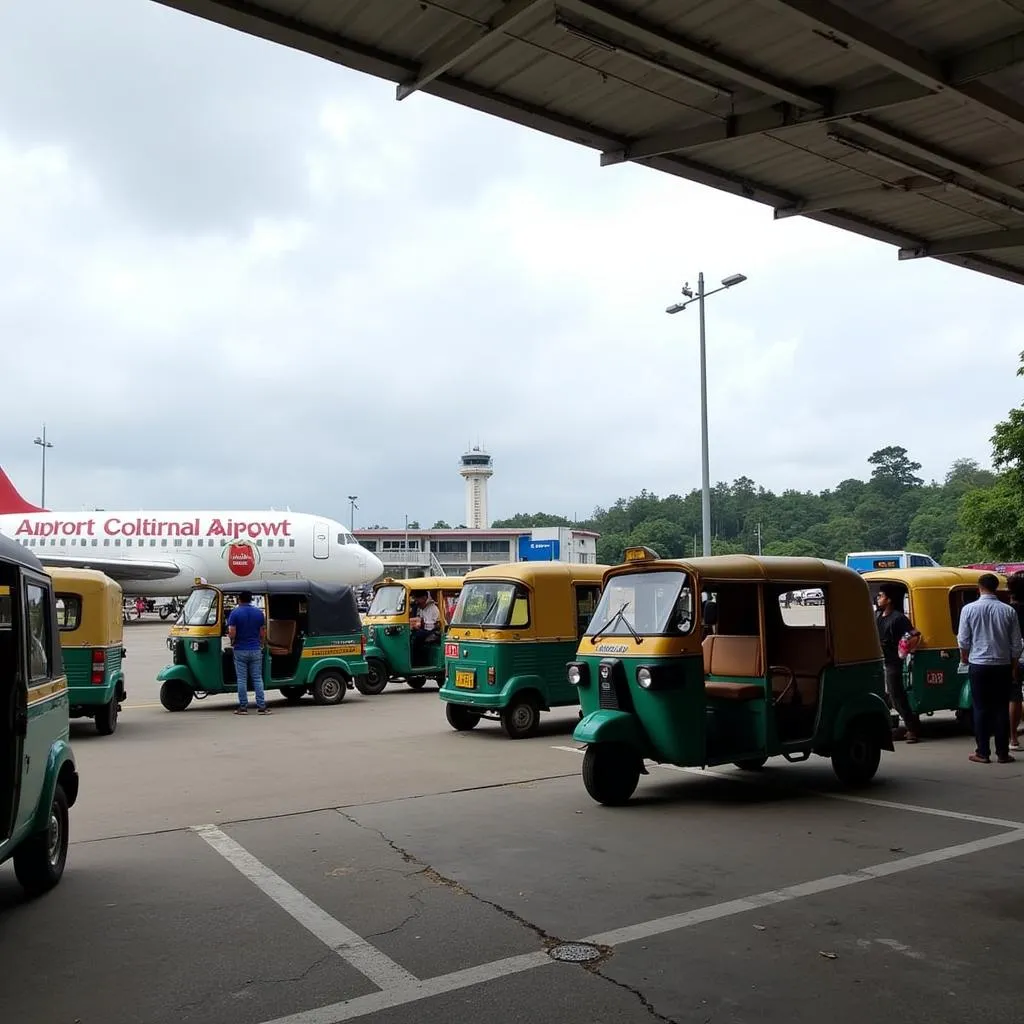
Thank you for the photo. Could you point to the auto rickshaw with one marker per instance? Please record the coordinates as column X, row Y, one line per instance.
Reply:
column 91, row 630
column 933, row 600
column 703, row 661
column 388, row 627
column 38, row 777
column 514, row 630
column 314, row 642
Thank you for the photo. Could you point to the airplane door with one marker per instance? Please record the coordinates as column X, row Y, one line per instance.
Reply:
column 321, row 540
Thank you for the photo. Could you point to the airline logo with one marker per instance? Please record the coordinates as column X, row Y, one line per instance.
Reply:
column 228, row 529
column 242, row 557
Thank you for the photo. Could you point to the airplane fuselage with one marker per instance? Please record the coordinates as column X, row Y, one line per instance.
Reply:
column 161, row 553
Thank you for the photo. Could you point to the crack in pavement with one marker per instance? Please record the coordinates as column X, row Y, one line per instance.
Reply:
column 428, row 872
column 408, row 920
column 633, row 990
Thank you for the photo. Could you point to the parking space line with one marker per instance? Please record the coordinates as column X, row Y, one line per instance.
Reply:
column 361, row 1006
column 689, row 918
column 366, row 958
column 891, row 805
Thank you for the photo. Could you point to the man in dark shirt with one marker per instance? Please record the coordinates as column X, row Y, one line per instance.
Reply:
column 892, row 625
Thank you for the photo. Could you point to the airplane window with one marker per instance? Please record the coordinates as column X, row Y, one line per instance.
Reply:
column 291, row 543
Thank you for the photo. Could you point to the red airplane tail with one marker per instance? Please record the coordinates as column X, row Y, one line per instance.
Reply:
column 11, row 500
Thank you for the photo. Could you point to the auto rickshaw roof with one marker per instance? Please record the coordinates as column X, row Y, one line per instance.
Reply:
column 421, row 583
column 82, row 581
column 531, row 573
column 18, row 554
column 942, row 577
column 771, row 568
column 332, row 606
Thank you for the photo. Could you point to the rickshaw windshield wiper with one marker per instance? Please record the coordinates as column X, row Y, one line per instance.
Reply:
column 620, row 614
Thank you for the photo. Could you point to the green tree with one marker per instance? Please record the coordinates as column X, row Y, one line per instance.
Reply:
column 894, row 471
column 440, row 525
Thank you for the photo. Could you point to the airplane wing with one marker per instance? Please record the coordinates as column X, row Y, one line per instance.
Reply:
column 118, row 569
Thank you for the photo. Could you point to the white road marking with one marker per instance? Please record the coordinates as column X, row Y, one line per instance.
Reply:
column 361, row 1006
column 364, row 957
column 376, row 1001
column 845, row 797
column 688, row 918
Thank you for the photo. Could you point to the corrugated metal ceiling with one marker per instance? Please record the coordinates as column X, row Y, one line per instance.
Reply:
column 901, row 120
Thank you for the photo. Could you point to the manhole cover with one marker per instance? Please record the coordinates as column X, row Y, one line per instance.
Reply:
column 574, row 952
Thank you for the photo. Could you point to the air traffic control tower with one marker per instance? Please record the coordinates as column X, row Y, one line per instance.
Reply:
column 477, row 467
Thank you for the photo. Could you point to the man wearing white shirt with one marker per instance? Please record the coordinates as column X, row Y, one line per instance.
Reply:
column 430, row 619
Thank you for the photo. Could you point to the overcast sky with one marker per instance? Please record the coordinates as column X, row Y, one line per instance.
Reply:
column 232, row 275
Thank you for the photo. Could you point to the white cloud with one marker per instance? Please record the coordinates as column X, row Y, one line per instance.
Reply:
column 309, row 290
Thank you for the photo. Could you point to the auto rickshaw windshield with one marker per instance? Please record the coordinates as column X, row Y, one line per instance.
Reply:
column 492, row 603
column 200, row 608
column 388, row 601
column 646, row 604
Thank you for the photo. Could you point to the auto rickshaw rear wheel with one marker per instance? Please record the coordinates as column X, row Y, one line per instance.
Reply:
column 106, row 717
column 39, row 861
column 329, row 687
column 376, row 678
column 417, row 682
column 175, row 695
column 293, row 694
column 461, row 718
column 965, row 719
column 857, row 754
column 752, row 764
column 611, row 772
column 521, row 718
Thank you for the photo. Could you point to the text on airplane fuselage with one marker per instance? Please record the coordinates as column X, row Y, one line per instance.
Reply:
column 115, row 527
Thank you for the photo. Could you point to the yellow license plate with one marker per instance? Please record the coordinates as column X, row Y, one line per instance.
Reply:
column 464, row 680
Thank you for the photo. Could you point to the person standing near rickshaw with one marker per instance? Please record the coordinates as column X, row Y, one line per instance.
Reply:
column 991, row 644
column 893, row 625
column 247, row 629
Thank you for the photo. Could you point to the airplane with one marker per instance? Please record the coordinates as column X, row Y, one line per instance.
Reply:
column 161, row 554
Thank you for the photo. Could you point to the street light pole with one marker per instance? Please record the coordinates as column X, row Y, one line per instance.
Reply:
column 44, row 444
column 678, row 307
column 406, row 555
column 352, row 512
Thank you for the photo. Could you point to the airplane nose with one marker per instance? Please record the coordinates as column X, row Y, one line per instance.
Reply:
column 373, row 567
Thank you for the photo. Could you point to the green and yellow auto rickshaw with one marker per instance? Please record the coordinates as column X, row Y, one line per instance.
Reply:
column 514, row 630
column 391, row 652
column 933, row 599
column 91, row 626
column 314, row 642
column 38, row 777
column 710, row 661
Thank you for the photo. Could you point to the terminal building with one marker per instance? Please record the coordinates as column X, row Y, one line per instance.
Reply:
column 455, row 552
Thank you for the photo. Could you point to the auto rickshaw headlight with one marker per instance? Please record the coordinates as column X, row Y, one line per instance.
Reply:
column 577, row 674
column 574, row 675
column 643, row 677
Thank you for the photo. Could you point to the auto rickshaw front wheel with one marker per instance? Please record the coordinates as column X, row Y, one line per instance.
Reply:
column 856, row 756
column 39, row 861
column 293, row 694
column 175, row 695
column 329, row 687
column 416, row 682
column 611, row 772
column 106, row 717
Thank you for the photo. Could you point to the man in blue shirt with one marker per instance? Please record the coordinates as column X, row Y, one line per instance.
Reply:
column 247, row 629
column 990, row 644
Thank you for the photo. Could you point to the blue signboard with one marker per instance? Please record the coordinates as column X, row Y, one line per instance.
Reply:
column 538, row 550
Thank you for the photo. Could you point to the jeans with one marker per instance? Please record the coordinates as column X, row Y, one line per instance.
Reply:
column 898, row 698
column 249, row 666
column 990, row 696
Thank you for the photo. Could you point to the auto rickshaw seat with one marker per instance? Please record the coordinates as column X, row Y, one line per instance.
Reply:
column 732, row 656
column 281, row 635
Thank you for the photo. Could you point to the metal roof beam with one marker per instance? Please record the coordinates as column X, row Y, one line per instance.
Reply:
column 604, row 15
column 867, row 134
column 986, row 240
column 886, row 92
column 837, row 200
column 847, row 30
column 446, row 55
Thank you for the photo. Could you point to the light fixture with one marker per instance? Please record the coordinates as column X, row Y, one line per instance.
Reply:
column 728, row 282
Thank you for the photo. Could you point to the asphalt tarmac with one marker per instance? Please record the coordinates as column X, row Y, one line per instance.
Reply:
column 364, row 861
